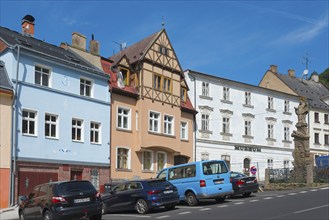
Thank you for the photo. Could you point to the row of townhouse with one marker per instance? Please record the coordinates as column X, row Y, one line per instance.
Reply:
column 75, row 114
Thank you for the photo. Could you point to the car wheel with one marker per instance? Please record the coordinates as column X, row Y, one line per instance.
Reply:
column 191, row 199
column 96, row 217
column 47, row 215
column 104, row 208
column 170, row 207
column 246, row 194
column 221, row 199
column 141, row 206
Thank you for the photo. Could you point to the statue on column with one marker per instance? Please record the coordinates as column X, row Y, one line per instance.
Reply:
column 302, row 110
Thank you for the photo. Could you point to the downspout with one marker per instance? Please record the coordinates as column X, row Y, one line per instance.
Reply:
column 194, row 129
column 13, row 151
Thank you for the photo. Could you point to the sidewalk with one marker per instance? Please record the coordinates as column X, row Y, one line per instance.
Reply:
column 10, row 213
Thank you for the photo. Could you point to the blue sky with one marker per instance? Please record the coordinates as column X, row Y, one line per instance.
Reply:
column 237, row 40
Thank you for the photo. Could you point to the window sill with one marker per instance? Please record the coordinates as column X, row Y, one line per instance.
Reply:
column 205, row 131
column 184, row 140
column 52, row 138
column 271, row 139
column 271, row 110
column 30, row 135
column 123, row 170
column 77, row 141
column 248, row 136
column 99, row 144
column 162, row 134
column 226, row 134
column 287, row 141
column 287, row 113
column 147, row 171
column 124, row 130
column 248, row 106
column 226, row 101
column 205, row 97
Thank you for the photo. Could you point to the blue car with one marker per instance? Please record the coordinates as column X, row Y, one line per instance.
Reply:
column 140, row 195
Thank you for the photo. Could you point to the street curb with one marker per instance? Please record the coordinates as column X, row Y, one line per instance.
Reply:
column 8, row 209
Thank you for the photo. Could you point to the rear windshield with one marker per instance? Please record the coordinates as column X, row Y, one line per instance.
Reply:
column 69, row 187
column 158, row 183
column 214, row 167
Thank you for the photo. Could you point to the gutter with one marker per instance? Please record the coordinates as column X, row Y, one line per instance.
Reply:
column 194, row 100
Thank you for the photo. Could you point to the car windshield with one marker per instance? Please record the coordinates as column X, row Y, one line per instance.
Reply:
column 69, row 187
column 214, row 167
column 158, row 183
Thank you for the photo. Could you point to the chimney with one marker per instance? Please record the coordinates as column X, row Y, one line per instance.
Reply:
column 79, row 41
column 94, row 46
column 274, row 68
column 291, row 73
column 28, row 25
column 315, row 77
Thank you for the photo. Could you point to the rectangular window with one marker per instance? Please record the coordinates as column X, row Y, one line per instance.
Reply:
column 226, row 125
column 326, row 139
column 125, row 76
column 286, row 106
column 270, row 102
column 95, row 132
column 286, row 133
column 122, row 158
column 94, row 178
column 161, row 160
column 205, row 89
column 184, row 130
column 316, row 117
column 41, row 76
column 183, row 94
column 85, row 87
column 163, row 50
column 205, row 122
column 247, row 128
column 286, row 164
column 147, row 160
column 168, row 126
column 227, row 159
column 269, row 131
column 154, row 120
column 123, row 118
column 77, row 130
column 29, row 120
column 167, row 85
column 247, row 98
column 51, row 125
column 157, row 82
column 270, row 163
column 326, row 118
column 316, row 138
column 226, row 93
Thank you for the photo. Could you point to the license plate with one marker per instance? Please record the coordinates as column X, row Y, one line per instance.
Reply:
column 250, row 181
column 219, row 182
column 82, row 200
column 168, row 191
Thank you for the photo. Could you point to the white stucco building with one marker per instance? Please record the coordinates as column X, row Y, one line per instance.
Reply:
column 245, row 125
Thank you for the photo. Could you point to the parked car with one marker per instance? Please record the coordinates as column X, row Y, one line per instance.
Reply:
column 61, row 201
column 199, row 180
column 140, row 195
column 243, row 184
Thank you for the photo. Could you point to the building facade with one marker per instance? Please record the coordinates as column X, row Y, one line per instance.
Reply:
column 243, row 124
column 6, row 101
column 317, row 97
column 61, row 122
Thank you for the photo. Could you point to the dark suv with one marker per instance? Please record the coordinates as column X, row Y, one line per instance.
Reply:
column 62, row 200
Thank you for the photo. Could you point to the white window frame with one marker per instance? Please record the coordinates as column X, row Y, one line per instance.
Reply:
column 76, row 128
column 30, row 120
column 205, row 89
column 316, row 138
column 157, row 160
column 226, row 125
column 184, row 130
column 121, row 117
column 205, row 126
column 286, row 163
column 154, row 121
column 247, row 127
column 151, row 160
column 42, row 74
column 226, row 93
column 168, row 124
column 95, row 131
column 270, row 131
column 247, row 98
column 51, row 124
column 270, row 163
column 326, row 139
column 83, row 82
column 128, row 158
column 286, row 133
column 270, row 102
column 286, row 106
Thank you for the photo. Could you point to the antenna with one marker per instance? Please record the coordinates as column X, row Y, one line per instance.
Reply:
column 305, row 60
column 122, row 45
column 163, row 24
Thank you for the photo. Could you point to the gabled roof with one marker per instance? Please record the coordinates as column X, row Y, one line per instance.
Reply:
column 313, row 91
column 137, row 50
column 59, row 54
column 5, row 82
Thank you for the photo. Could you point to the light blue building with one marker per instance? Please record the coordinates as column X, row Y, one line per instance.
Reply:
column 61, row 117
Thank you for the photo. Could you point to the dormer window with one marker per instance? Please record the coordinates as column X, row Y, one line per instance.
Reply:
column 163, row 50
column 125, row 75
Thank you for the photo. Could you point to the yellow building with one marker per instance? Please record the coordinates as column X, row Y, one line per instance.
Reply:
column 6, row 99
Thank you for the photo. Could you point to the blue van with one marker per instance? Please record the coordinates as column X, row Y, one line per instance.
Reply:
column 199, row 180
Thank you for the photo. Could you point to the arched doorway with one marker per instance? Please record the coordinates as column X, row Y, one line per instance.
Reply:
column 246, row 166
